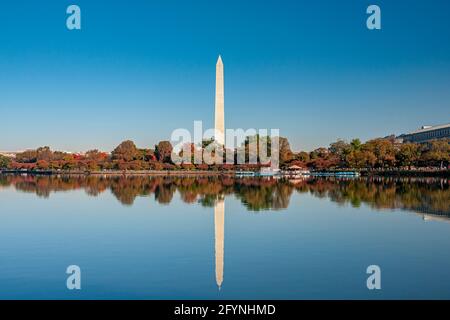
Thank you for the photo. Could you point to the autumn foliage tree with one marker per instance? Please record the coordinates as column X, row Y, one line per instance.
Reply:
column 437, row 153
column 163, row 151
column 408, row 155
column 126, row 151
column 378, row 154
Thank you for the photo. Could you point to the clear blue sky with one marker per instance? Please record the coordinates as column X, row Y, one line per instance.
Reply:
column 139, row 69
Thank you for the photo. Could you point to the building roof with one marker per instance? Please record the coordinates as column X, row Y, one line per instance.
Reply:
column 431, row 128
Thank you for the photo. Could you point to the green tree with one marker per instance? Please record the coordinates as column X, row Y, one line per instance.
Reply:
column 355, row 144
column 4, row 162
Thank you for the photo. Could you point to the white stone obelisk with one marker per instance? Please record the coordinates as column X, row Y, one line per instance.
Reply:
column 219, row 226
column 219, row 122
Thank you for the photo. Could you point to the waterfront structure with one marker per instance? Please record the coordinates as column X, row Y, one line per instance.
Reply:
column 427, row 133
column 219, row 224
column 219, row 121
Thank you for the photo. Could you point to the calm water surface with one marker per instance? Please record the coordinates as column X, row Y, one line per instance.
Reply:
column 212, row 238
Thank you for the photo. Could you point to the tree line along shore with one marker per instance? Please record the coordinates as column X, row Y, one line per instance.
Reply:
column 383, row 156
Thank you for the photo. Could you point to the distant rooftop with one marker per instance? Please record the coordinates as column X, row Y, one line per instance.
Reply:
column 430, row 128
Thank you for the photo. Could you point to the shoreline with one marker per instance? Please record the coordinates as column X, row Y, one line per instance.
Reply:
column 122, row 173
column 412, row 174
column 174, row 173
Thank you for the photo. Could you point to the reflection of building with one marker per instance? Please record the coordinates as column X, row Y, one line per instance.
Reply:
column 219, row 120
column 427, row 217
column 427, row 133
column 219, row 221
column 429, row 214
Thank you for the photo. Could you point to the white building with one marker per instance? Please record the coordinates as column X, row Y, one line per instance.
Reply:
column 427, row 133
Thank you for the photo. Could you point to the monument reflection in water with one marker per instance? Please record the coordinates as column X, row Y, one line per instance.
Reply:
column 219, row 225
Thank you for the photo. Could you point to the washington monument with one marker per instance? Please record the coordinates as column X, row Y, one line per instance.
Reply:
column 219, row 122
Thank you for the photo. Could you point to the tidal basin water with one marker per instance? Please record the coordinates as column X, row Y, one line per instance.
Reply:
column 223, row 238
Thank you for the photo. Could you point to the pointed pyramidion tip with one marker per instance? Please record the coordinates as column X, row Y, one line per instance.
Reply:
column 219, row 60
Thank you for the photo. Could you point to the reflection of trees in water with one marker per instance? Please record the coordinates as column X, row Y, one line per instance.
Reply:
column 423, row 195
column 42, row 186
column 164, row 193
column 260, row 194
